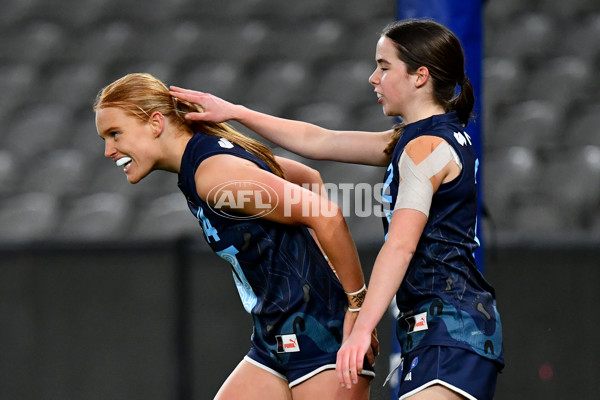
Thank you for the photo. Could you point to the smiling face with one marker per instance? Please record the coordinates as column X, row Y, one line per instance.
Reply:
column 392, row 82
column 128, row 140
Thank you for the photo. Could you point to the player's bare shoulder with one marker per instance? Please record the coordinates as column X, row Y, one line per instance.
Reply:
column 419, row 148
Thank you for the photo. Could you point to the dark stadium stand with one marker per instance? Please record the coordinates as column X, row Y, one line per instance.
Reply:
column 109, row 291
column 308, row 60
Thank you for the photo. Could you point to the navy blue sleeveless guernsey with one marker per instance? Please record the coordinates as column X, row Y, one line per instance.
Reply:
column 444, row 299
column 285, row 283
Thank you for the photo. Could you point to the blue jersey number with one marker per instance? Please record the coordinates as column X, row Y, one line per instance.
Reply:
column 247, row 295
column 209, row 230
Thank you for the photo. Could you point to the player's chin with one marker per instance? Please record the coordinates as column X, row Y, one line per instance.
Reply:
column 135, row 178
column 389, row 112
column 137, row 172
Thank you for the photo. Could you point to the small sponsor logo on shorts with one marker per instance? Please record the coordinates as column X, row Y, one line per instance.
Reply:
column 417, row 322
column 414, row 363
column 287, row 344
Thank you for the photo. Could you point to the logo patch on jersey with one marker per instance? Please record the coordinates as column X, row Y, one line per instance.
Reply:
column 462, row 138
column 417, row 322
column 226, row 144
column 287, row 343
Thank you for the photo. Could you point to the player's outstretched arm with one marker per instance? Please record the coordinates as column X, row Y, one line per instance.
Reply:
column 308, row 140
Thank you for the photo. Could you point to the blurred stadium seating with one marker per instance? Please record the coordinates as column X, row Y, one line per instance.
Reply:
column 308, row 60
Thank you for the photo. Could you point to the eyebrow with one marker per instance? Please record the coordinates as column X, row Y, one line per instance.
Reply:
column 383, row 61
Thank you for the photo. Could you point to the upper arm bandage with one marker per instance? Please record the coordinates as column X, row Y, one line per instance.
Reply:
column 415, row 190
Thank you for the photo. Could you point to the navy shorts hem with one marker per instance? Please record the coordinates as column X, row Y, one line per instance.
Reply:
column 295, row 376
column 458, row 369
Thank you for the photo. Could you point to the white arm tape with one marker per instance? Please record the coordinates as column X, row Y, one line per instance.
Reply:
column 415, row 190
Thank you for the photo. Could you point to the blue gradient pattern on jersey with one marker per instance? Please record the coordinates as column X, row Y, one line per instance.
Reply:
column 442, row 271
column 460, row 325
column 311, row 334
column 282, row 277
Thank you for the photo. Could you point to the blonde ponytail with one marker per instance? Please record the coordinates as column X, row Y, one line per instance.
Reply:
column 142, row 94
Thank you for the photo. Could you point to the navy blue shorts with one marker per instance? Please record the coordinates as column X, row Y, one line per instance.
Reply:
column 458, row 369
column 296, row 375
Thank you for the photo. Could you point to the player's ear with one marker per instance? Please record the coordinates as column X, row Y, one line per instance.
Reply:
column 422, row 75
column 157, row 121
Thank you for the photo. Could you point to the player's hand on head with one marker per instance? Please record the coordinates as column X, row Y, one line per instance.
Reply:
column 214, row 109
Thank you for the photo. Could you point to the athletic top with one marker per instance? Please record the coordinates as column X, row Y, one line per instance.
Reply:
column 283, row 279
column 444, row 299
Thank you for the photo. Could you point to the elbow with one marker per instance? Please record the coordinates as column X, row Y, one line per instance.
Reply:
column 337, row 224
column 329, row 220
column 314, row 176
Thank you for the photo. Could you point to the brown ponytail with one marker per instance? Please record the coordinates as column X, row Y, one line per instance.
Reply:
column 463, row 102
column 389, row 149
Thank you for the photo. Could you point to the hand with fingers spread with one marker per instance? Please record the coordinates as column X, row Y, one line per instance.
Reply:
column 214, row 108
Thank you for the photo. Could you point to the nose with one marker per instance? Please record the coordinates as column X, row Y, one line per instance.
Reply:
column 374, row 79
column 109, row 149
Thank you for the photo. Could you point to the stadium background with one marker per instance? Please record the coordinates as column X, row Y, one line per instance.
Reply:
column 108, row 291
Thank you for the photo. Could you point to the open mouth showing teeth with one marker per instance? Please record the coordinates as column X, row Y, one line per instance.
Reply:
column 123, row 162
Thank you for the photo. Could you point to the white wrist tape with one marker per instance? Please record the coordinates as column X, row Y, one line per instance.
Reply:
column 358, row 291
column 356, row 299
column 415, row 190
